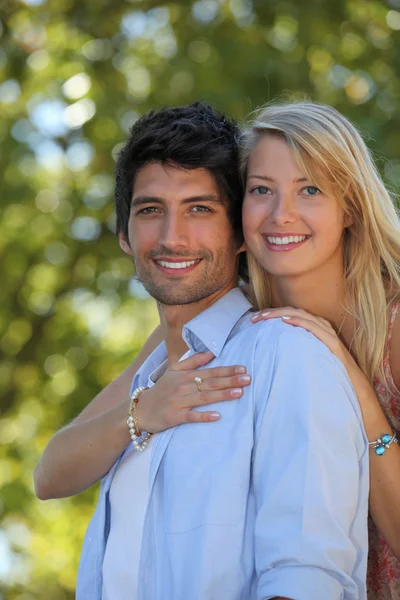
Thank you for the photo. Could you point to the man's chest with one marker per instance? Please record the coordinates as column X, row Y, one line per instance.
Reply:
column 204, row 474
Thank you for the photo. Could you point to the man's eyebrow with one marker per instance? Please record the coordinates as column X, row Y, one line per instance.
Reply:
column 272, row 180
column 140, row 200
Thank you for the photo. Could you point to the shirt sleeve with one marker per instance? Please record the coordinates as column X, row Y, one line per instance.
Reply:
column 310, row 473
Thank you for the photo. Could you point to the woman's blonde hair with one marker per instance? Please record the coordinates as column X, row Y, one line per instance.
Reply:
column 332, row 154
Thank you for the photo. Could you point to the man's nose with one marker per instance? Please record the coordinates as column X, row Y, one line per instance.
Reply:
column 174, row 233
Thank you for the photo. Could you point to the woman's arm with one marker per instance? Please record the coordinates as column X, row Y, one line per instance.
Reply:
column 385, row 474
column 384, row 496
column 81, row 453
column 384, row 470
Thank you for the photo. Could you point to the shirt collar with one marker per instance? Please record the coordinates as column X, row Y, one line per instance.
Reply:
column 210, row 329
column 150, row 367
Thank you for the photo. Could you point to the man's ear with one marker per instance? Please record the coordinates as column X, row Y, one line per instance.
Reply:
column 123, row 242
column 242, row 248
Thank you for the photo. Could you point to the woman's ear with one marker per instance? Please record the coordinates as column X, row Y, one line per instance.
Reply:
column 348, row 220
column 123, row 242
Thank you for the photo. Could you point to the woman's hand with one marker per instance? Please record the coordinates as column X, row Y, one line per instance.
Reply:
column 170, row 401
column 318, row 326
column 324, row 331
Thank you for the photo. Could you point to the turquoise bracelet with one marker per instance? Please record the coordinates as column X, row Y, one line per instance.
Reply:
column 383, row 443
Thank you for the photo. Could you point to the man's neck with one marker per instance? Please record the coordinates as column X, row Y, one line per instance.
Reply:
column 174, row 317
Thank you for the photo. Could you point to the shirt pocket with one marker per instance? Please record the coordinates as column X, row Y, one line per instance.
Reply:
column 206, row 479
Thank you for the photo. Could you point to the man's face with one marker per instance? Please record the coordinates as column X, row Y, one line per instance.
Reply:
column 180, row 235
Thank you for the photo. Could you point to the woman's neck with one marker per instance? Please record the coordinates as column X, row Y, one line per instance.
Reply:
column 321, row 294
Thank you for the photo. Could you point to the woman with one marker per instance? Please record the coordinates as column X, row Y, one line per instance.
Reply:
column 309, row 179
column 323, row 235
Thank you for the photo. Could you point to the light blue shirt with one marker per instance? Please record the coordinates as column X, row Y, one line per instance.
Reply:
column 272, row 499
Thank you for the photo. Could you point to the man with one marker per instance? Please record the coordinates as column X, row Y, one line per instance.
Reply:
column 269, row 500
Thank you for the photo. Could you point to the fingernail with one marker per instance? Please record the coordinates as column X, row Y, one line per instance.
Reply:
column 240, row 370
column 254, row 317
column 244, row 378
column 286, row 318
column 237, row 392
column 214, row 416
column 265, row 314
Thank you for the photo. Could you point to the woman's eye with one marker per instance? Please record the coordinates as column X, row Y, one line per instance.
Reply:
column 261, row 190
column 311, row 190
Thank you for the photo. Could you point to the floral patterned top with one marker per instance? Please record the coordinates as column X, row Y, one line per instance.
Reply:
column 383, row 577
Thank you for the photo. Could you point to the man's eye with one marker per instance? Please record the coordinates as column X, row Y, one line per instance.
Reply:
column 200, row 209
column 311, row 190
column 147, row 211
column 261, row 190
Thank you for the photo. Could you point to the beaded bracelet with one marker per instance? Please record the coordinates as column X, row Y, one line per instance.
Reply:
column 383, row 443
column 139, row 438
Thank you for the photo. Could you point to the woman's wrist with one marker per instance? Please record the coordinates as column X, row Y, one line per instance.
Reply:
column 141, row 418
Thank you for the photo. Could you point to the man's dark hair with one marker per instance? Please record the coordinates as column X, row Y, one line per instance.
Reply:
column 191, row 137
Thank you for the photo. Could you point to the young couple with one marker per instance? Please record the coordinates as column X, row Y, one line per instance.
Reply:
column 247, row 475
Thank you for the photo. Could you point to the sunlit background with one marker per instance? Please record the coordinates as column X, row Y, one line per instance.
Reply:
column 74, row 76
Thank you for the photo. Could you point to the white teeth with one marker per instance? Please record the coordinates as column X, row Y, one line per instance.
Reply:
column 176, row 265
column 286, row 240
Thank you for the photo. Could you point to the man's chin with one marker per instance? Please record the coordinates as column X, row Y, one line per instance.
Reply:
column 178, row 300
column 176, row 297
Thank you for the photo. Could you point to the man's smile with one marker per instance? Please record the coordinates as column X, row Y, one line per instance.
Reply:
column 175, row 267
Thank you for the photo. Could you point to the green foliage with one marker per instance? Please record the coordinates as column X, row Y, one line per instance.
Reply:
column 73, row 77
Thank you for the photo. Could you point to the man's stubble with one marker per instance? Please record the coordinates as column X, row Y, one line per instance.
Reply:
column 214, row 276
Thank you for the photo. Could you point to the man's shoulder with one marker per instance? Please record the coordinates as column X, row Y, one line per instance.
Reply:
column 263, row 333
column 277, row 339
column 301, row 362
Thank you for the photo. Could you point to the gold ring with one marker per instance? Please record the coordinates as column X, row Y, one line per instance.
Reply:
column 198, row 381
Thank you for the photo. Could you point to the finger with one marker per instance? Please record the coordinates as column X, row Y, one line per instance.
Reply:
column 273, row 313
column 224, row 383
column 213, row 379
column 261, row 316
column 196, row 416
column 304, row 321
column 276, row 313
column 210, row 397
column 193, row 362
column 289, row 311
column 218, row 372
column 327, row 324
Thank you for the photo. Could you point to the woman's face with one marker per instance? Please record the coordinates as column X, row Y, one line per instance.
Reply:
column 290, row 226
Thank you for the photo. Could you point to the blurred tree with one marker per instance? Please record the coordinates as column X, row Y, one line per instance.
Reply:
column 73, row 78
